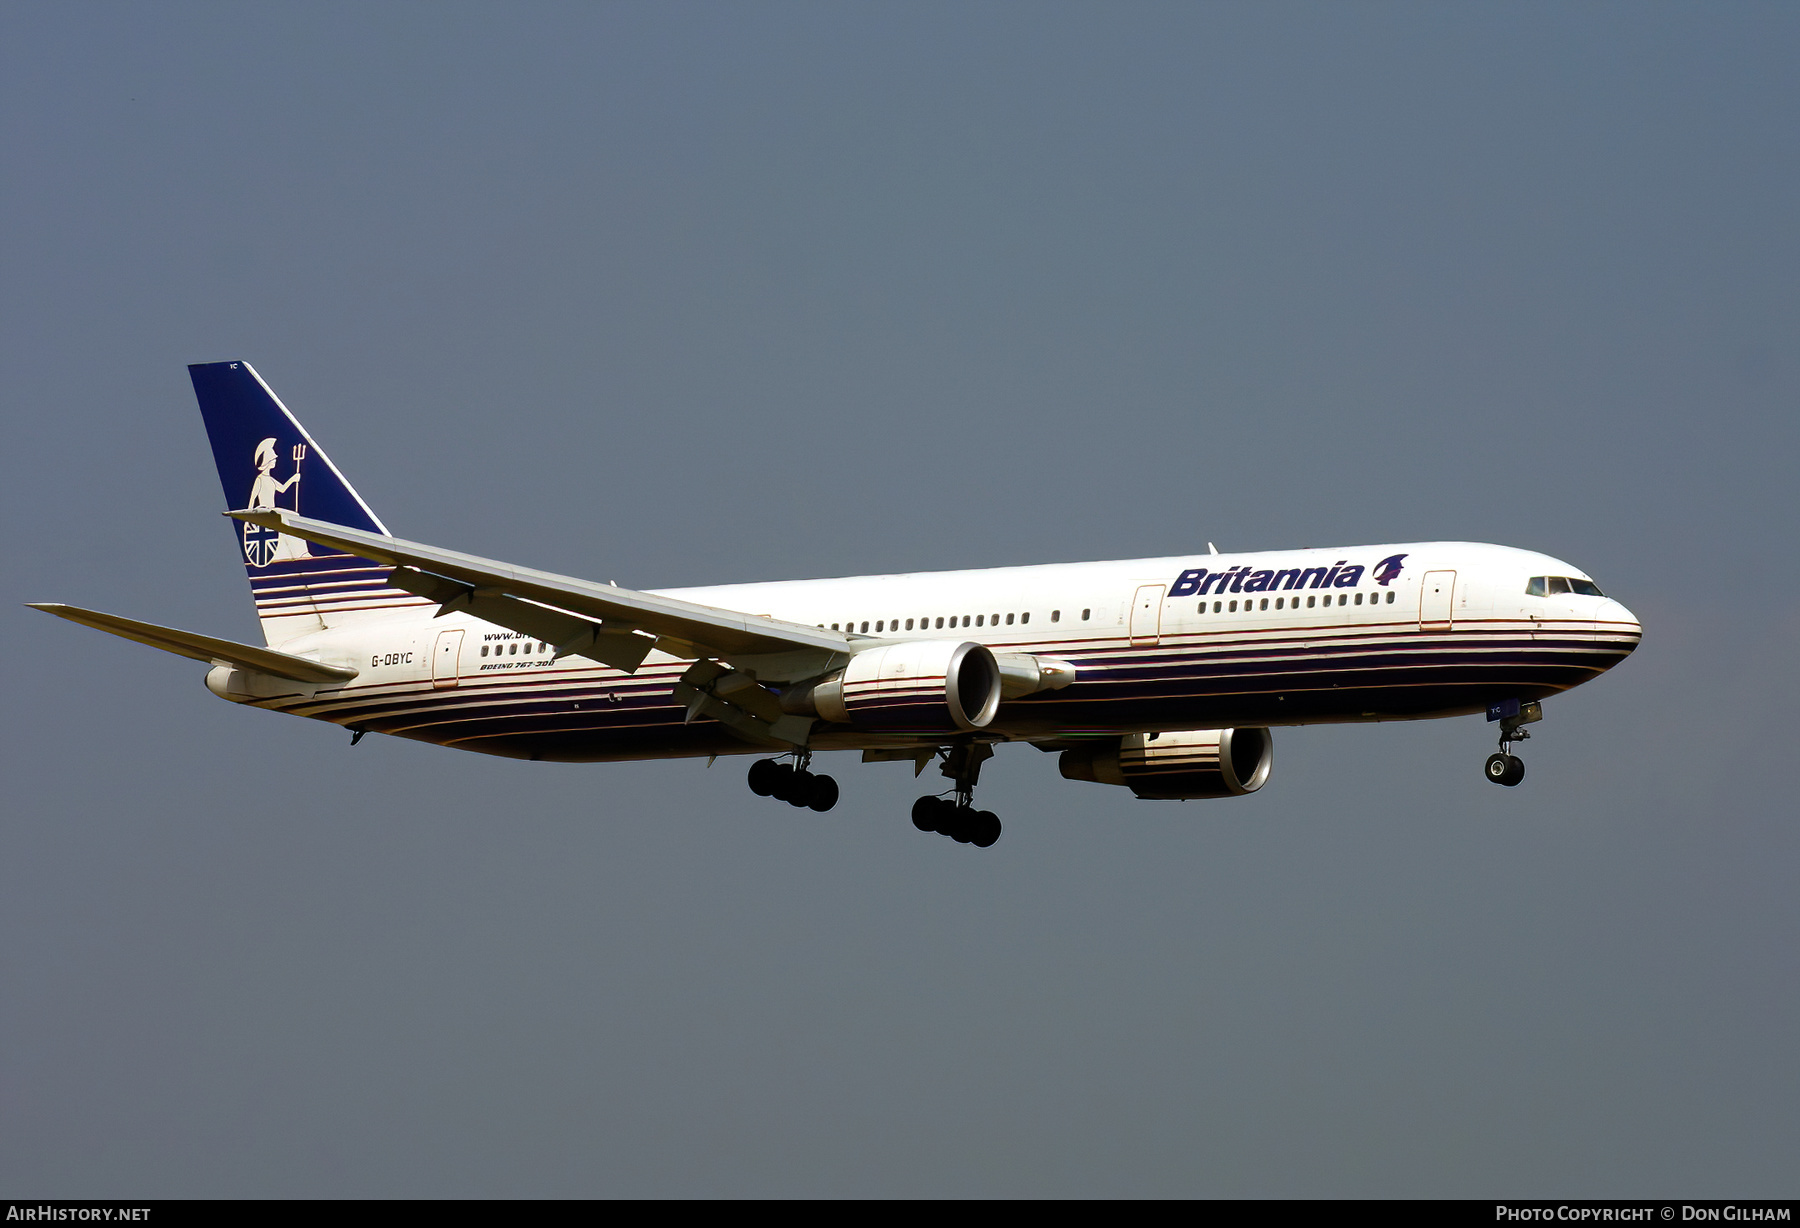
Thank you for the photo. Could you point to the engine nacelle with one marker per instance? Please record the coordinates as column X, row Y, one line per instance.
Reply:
column 1192, row 763
column 925, row 686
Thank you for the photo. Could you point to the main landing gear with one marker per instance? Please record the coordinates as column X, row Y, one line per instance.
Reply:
column 957, row 817
column 793, row 784
column 954, row 816
column 1506, row 768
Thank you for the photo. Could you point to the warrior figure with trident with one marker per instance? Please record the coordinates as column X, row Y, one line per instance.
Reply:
column 258, row 549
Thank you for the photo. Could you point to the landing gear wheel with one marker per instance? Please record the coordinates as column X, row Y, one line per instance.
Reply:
column 924, row 814
column 1505, row 769
column 943, row 816
column 986, row 829
column 961, row 822
column 823, row 794
column 800, row 790
column 782, row 782
column 763, row 774
column 967, row 825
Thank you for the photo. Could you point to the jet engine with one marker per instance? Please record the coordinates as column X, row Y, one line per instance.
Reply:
column 1191, row 763
column 924, row 686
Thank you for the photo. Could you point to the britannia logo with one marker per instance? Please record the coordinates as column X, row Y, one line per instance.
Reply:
column 264, row 546
column 1388, row 570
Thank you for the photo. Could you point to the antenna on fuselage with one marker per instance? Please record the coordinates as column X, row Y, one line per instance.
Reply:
column 1211, row 549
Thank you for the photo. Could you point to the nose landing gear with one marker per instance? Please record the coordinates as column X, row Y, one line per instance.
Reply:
column 793, row 784
column 1506, row 768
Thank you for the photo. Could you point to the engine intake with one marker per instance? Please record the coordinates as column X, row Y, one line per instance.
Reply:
column 925, row 686
column 1193, row 763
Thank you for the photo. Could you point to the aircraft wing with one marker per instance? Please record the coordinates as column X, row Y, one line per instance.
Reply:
column 201, row 647
column 682, row 628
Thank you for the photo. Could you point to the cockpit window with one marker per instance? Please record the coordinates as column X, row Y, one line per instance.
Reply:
column 1549, row 586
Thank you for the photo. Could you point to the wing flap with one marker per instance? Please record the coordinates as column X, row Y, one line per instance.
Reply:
column 569, row 634
column 682, row 628
column 201, row 647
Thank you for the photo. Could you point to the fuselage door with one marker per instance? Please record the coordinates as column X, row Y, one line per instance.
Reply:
column 1146, row 614
column 1435, row 593
column 444, row 658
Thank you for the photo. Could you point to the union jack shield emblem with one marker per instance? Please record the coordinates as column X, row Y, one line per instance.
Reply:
column 260, row 544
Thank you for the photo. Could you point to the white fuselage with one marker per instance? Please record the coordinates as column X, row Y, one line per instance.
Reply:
column 1263, row 638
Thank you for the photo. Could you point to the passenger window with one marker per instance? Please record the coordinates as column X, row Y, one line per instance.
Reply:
column 909, row 623
column 1217, row 606
column 1278, row 603
column 1234, row 607
column 1534, row 587
column 1009, row 620
column 1310, row 601
column 1085, row 614
column 1359, row 599
column 940, row 622
column 512, row 649
column 1343, row 598
column 484, row 650
column 1390, row 599
column 1055, row 616
column 1025, row 617
column 1264, row 605
column 978, row 620
column 834, row 626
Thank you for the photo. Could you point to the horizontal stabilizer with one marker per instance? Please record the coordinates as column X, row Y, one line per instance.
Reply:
column 682, row 628
column 201, row 647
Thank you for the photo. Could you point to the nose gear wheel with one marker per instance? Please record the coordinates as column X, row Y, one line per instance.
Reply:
column 1506, row 768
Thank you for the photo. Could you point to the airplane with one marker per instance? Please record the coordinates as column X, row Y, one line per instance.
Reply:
column 1164, row 676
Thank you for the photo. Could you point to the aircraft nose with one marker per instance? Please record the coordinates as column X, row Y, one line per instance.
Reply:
column 1614, row 620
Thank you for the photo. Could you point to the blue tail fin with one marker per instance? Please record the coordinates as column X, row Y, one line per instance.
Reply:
column 298, row 587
